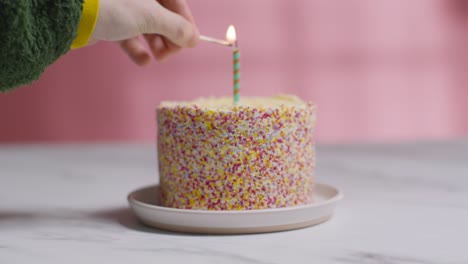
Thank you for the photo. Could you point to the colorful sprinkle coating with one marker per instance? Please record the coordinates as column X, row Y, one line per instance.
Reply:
column 238, row 159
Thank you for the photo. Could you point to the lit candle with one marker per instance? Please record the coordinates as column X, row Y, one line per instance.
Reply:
column 232, row 39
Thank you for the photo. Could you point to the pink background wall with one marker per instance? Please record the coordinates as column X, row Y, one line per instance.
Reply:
column 378, row 70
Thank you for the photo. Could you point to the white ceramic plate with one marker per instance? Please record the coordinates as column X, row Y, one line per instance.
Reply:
column 145, row 204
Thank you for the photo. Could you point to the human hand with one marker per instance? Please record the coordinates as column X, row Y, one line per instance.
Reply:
column 167, row 27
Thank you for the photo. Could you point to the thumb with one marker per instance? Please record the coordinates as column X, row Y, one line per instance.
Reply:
column 172, row 26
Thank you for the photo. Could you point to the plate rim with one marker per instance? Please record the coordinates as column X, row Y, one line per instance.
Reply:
column 193, row 229
column 131, row 198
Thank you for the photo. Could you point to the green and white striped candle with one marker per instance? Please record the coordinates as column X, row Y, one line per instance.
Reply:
column 236, row 75
column 232, row 39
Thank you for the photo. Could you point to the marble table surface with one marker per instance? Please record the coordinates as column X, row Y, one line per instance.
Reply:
column 404, row 204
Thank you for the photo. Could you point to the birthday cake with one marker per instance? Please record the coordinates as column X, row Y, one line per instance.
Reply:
column 258, row 154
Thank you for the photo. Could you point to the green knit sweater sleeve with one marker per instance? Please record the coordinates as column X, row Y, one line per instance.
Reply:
column 33, row 35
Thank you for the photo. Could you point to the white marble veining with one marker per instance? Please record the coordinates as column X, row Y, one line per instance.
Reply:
column 404, row 204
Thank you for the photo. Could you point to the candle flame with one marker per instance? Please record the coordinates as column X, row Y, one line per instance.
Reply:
column 231, row 34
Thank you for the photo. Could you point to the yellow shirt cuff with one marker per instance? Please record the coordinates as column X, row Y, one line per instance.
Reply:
column 88, row 20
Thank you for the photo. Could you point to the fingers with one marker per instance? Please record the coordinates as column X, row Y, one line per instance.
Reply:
column 171, row 47
column 180, row 7
column 136, row 51
column 168, row 28
column 160, row 47
column 173, row 26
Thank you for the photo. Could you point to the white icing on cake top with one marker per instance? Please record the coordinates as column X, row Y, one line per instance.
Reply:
column 226, row 103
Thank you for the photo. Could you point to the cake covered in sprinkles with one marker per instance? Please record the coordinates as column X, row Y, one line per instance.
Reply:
column 258, row 154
